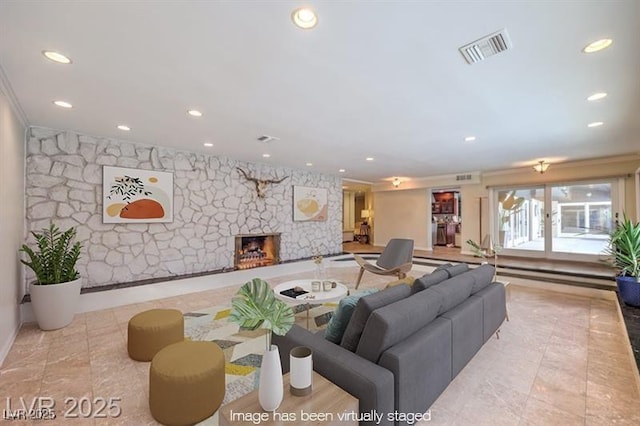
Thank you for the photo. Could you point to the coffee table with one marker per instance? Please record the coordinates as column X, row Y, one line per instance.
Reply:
column 333, row 295
column 326, row 399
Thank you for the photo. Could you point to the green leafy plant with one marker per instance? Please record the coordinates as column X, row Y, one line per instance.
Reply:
column 624, row 248
column 55, row 260
column 485, row 253
column 255, row 306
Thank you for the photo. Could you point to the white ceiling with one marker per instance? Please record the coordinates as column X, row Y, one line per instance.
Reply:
column 381, row 79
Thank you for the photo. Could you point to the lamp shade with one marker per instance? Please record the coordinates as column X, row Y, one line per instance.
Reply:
column 365, row 214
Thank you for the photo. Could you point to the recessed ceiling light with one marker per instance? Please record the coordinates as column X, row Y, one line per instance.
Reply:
column 63, row 104
column 56, row 57
column 597, row 45
column 266, row 155
column 304, row 18
column 123, row 127
column 597, row 96
column 341, row 170
column 369, row 158
column 470, row 139
column 194, row 113
column 595, row 124
column 208, row 144
column 309, row 164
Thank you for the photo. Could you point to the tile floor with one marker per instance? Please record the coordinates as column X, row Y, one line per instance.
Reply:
column 562, row 359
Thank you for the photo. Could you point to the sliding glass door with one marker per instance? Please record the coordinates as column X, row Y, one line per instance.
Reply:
column 582, row 217
column 570, row 221
column 521, row 219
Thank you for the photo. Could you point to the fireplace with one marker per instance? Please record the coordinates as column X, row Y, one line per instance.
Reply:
column 257, row 250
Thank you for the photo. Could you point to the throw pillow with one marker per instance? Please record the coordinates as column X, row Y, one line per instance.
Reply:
column 338, row 322
column 363, row 309
column 409, row 280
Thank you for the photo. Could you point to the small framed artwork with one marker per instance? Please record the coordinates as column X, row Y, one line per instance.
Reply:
column 136, row 196
column 309, row 204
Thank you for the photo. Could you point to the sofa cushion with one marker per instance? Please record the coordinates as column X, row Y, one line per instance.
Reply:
column 364, row 307
column 482, row 277
column 456, row 270
column 393, row 323
column 340, row 318
column 443, row 267
column 427, row 280
column 454, row 291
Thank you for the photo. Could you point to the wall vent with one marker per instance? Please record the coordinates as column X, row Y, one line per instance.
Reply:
column 490, row 45
column 267, row 138
column 463, row 177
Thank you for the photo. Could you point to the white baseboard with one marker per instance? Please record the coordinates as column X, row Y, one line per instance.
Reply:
column 4, row 351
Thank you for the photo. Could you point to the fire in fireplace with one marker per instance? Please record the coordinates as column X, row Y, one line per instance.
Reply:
column 257, row 250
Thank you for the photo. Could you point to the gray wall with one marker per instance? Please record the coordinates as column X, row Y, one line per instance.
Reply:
column 11, row 222
column 212, row 204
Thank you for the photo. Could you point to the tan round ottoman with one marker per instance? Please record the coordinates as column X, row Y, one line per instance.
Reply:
column 186, row 382
column 152, row 330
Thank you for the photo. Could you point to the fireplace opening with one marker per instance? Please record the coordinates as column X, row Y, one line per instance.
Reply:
column 257, row 250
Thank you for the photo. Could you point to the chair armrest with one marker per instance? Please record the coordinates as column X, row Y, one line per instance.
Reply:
column 360, row 261
column 370, row 383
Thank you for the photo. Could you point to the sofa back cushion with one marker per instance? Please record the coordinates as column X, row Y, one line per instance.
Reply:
column 365, row 306
column 482, row 277
column 454, row 291
column 393, row 323
column 341, row 316
column 427, row 280
column 456, row 270
column 443, row 267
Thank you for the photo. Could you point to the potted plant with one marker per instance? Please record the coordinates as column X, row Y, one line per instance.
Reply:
column 624, row 249
column 484, row 253
column 56, row 291
column 254, row 306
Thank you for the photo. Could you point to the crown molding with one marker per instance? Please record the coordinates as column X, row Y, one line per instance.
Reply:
column 7, row 90
column 569, row 164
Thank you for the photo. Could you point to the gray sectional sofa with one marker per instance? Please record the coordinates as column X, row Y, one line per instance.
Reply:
column 404, row 345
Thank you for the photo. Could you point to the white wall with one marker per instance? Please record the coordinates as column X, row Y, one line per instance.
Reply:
column 11, row 222
column 402, row 214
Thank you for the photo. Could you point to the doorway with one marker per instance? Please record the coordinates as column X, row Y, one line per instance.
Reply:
column 357, row 211
column 446, row 218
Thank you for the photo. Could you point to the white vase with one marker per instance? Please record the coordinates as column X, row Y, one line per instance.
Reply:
column 54, row 305
column 300, row 370
column 270, row 388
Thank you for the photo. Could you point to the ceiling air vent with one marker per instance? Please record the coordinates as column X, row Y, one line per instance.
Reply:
column 267, row 138
column 487, row 46
column 463, row 177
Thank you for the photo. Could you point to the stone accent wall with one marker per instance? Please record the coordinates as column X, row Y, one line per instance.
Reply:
column 212, row 204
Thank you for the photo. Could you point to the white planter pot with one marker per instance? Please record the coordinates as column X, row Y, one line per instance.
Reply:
column 54, row 305
column 270, row 391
